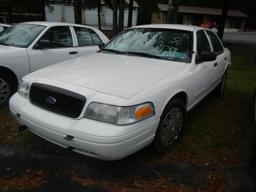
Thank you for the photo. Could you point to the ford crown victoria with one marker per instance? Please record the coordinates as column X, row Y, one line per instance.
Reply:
column 135, row 92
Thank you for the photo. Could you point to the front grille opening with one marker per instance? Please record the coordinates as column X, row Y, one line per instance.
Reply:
column 57, row 100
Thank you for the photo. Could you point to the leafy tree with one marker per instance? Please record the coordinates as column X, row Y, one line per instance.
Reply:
column 130, row 13
column 223, row 18
column 121, row 16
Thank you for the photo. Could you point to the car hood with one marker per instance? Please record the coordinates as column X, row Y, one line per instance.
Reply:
column 8, row 50
column 112, row 74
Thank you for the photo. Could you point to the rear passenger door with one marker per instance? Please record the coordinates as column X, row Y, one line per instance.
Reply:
column 204, row 69
column 218, row 49
column 55, row 45
column 87, row 41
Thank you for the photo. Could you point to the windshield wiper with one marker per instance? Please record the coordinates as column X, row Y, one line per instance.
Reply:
column 2, row 43
column 113, row 51
column 144, row 55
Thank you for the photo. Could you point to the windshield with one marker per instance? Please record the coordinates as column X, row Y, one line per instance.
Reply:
column 21, row 35
column 168, row 44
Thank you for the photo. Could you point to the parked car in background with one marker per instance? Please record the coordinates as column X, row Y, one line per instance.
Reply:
column 136, row 91
column 27, row 47
column 3, row 27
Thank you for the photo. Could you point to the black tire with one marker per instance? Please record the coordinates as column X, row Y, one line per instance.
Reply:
column 221, row 88
column 7, row 88
column 168, row 135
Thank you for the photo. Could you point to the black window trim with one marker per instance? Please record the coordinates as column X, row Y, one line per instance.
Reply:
column 56, row 47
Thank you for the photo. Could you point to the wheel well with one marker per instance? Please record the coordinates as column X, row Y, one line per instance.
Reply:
column 182, row 96
column 11, row 73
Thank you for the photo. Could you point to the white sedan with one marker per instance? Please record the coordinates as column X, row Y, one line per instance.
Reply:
column 27, row 47
column 135, row 92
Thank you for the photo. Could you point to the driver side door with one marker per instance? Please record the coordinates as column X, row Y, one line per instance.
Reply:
column 54, row 46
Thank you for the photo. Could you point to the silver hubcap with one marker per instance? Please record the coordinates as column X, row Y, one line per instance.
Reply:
column 4, row 91
column 171, row 126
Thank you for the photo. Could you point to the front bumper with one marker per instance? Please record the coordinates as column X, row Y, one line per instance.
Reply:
column 89, row 137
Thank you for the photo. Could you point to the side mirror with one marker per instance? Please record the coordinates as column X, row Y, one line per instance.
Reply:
column 206, row 56
column 42, row 44
column 101, row 45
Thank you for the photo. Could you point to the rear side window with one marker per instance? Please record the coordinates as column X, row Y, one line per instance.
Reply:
column 86, row 37
column 202, row 42
column 216, row 44
column 95, row 37
column 59, row 37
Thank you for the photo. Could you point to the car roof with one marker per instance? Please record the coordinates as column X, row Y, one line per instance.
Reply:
column 171, row 26
column 51, row 24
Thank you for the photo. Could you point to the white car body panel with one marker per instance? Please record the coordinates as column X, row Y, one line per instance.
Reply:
column 22, row 61
column 16, row 59
column 120, row 80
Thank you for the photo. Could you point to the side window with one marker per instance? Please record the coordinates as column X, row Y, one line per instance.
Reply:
column 58, row 37
column 202, row 42
column 216, row 44
column 84, row 37
column 95, row 37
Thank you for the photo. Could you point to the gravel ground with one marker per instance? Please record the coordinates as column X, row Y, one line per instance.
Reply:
column 30, row 164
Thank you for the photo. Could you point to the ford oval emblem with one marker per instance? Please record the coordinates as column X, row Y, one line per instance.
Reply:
column 50, row 100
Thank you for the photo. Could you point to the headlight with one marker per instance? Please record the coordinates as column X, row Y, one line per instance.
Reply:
column 24, row 89
column 119, row 115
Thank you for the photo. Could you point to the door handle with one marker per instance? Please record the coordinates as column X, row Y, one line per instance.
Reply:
column 215, row 64
column 72, row 53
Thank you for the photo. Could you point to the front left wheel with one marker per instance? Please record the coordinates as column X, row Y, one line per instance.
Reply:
column 7, row 88
column 171, row 126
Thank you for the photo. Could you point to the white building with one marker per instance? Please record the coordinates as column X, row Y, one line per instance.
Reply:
column 65, row 13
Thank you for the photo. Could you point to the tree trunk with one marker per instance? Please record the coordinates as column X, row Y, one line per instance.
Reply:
column 9, row 7
column 172, row 13
column 114, row 17
column 99, row 14
column 121, row 16
column 43, row 10
column 62, row 12
column 130, row 13
column 78, row 11
column 222, row 22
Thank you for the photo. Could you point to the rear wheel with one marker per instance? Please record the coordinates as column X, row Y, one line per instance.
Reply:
column 221, row 88
column 7, row 88
column 171, row 126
